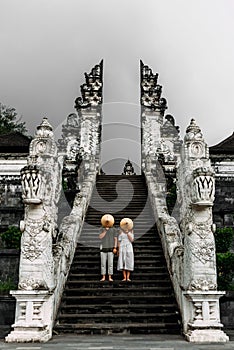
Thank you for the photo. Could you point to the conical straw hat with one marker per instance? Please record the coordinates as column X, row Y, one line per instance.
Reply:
column 107, row 220
column 126, row 224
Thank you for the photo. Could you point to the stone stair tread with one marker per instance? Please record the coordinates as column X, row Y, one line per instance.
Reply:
column 138, row 268
column 103, row 325
column 137, row 261
column 119, row 306
column 89, row 275
column 115, row 315
column 110, row 288
column 118, row 281
column 117, row 297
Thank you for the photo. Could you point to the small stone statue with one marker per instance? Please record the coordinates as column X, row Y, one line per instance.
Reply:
column 128, row 169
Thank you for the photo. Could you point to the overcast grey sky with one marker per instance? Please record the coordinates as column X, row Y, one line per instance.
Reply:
column 47, row 45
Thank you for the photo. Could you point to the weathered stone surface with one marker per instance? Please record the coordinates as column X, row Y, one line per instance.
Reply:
column 189, row 247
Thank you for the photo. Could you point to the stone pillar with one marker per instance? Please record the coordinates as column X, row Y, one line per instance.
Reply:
column 33, row 316
column 90, row 114
column 196, row 188
column 160, row 138
column 152, row 111
column 41, row 186
column 205, row 325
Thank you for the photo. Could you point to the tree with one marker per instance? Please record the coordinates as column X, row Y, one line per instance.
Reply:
column 9, row 121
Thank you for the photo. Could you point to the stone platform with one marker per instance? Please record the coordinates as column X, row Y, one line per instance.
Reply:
column 128, row 342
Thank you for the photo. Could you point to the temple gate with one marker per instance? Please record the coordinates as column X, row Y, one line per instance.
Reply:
column 47, row 247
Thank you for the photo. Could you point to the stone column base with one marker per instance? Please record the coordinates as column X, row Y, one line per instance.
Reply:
column 28, row 334
column 33, row 316
column 206, row 336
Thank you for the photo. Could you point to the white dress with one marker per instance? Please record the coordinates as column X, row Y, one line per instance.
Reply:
column 126, row 255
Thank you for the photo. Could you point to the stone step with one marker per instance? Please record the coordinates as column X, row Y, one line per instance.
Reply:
column 118, row 214
column 138, row 198
column 95, row 265
column 124, row 317
column 74, row 283
column 89, row 242
column 109, row 291
column 96, row 268
column 96, row 256
column 116, row 308
column 118, row 298
column 140, row 259
column 154, row 276
column 119, row 328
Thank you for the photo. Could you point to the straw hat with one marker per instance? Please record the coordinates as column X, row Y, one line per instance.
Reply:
column 126, row 224
column 107, row 220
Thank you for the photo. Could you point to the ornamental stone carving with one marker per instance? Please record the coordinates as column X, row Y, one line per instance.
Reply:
column 32, row 184
column 31, row 284
column 151, row 91
column 46, row 252
column 203, row 187
column 203, row 250
column 196, row 188
column 41, row 186
column 91, row 91
column 196, row 196
column 202, row 284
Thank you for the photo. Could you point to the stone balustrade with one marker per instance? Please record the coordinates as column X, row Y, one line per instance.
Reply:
column 188, row 243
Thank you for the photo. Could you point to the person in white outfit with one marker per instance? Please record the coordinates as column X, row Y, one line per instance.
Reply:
column 126, row 254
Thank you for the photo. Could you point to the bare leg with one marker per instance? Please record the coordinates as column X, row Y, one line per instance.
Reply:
column 128, row 276
column 124, row 275
column 110, row 278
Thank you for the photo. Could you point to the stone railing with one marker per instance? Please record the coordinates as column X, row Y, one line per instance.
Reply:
column 70, row 230
column 168, row 228
column 189, row 246
column 46, row 252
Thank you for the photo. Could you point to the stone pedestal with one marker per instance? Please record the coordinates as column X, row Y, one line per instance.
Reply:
column 33, row 317
column 205, row 325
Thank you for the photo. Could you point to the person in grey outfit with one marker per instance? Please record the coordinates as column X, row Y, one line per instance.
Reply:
column 108, row 247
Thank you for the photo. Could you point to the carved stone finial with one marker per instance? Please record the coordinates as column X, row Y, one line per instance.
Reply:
column 91, row 91
column 43, row 143
column 150, row 90
column 44, row 129
column 193, row 131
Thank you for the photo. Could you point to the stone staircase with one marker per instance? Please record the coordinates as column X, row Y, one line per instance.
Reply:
column 145, row 305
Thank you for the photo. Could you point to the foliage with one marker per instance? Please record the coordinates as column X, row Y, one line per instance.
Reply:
column 225, row 270
column 11, row 237
column 223, row 239
column 6, row 286
column 9, row 121
column 224, row 258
